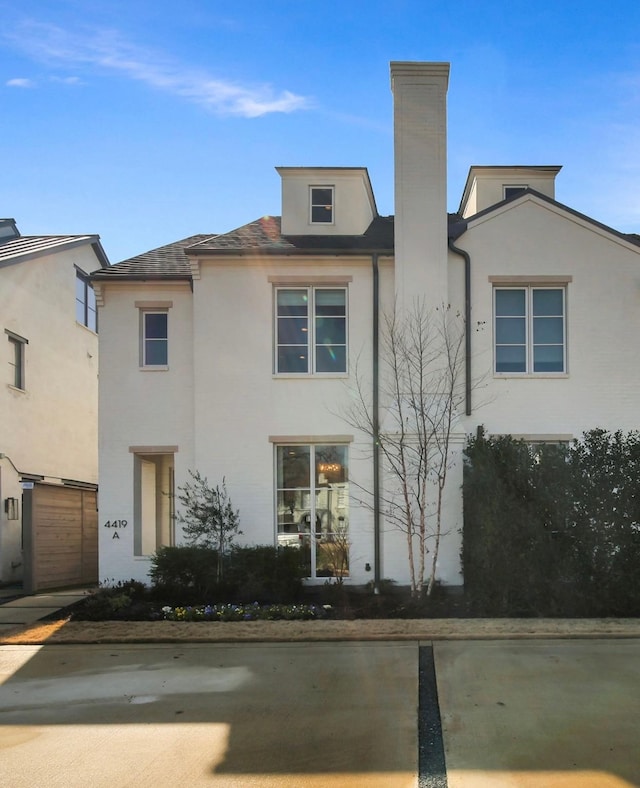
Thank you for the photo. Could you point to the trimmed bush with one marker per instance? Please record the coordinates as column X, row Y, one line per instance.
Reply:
column 184, row 574
column 188, row 575
column 266, row 574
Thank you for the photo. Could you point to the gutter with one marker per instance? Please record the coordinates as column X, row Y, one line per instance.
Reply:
column 376, row 425
column 455, row 232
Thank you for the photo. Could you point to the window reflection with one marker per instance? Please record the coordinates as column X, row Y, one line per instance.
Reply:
column 313, row 509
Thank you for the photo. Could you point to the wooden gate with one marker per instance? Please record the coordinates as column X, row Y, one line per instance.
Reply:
column 60, row 537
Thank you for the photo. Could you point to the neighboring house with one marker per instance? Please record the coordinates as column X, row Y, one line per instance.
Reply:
column 236, row 354
column 48, row 407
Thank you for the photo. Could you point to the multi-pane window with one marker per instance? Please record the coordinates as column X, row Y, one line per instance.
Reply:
column 17, row 347
column 312, row 506
column 155, row 339
column 321, row 204
column 311, row 330
column 86, row 312
column 530, row 329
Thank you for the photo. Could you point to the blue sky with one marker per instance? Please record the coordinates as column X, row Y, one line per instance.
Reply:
column 147, row 121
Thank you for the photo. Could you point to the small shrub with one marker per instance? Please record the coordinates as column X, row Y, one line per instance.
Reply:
column 123, row 601
column 184, row 574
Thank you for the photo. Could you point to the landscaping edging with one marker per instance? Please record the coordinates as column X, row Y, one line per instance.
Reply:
column 87, row 632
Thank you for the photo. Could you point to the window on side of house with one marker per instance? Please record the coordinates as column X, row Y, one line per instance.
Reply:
column 312, row 506
column 153, row 506
column 86, row 310
column 530, row 330
column 321, row 205
column 17, row 348
column 512, row 190
column 311, row 330
column 155, row 338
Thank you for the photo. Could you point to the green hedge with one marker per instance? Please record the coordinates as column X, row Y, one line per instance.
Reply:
column 553, row 530
column 188, row 575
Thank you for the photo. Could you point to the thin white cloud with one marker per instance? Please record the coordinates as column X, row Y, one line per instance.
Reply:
column 20, row 82
column 107, row 51
column 67, row 80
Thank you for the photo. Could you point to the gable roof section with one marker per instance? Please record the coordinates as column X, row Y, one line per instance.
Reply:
column 28, row 247
column 165, row 262
column 459, row 227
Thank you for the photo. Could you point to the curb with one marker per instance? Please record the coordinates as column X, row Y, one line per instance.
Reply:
column 65, row 632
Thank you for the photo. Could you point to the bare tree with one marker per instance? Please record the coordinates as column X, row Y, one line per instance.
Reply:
column 421, row 390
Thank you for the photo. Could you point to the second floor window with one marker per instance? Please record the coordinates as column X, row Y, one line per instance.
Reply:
column 86, row 312
column 529, row 330
column 155, row 339
column 311, row 330
column 17, row 347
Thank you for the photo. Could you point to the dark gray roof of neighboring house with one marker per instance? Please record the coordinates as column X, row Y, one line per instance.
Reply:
column 165, row 262
column 26, row 247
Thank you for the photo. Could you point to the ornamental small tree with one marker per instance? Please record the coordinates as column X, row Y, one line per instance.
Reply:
column 208, row 519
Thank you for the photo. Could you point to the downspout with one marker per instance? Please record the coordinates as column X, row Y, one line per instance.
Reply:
column 467, row 314
column 376, row 426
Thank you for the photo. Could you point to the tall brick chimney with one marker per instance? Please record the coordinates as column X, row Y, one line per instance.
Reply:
column 420, row 155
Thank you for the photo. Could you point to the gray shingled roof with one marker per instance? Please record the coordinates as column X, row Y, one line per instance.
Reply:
column 26, row 247
column 165, row 262
column 262, row 236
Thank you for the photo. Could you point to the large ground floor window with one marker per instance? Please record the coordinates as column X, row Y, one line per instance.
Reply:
column 312, row 505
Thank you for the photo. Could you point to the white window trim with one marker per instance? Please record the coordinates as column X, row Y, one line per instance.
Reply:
column 529, row 289
column 310, row 373
column 312, row 205
column 312, row 441
column 152, row 308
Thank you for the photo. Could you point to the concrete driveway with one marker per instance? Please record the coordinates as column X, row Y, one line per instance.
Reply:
column 215, row 715
column 539, row 713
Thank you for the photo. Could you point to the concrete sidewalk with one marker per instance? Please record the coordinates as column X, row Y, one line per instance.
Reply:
column 18, row 609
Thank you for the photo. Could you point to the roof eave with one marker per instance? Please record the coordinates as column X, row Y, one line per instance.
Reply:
column 312, row 252
column 99, row 276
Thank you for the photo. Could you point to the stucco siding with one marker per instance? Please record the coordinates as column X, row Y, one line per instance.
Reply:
column 139, row 408
column 602, row 312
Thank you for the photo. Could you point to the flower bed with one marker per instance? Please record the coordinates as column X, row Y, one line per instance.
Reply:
column 250, row 612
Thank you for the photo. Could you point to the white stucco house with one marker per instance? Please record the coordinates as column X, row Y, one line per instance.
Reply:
column 236, row 353
column 48, row 407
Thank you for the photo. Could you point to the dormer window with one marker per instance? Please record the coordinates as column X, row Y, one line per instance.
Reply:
column 321, row 204
column 513, row 190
